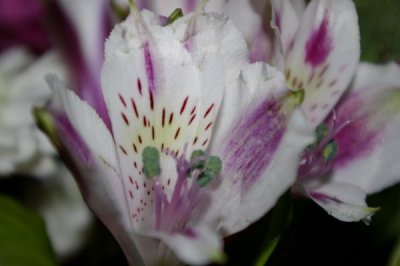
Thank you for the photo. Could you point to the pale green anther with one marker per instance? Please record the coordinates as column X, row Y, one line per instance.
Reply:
column 204, row 179
column 197, row 154
column 213, row 165
column 291, row 101
column 151, row 162
column 322, row 131
column 298, row 96
column 176, row 14
column 212, row 168
column 330, row 150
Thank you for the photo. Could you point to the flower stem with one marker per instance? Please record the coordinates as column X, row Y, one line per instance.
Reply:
column 280, row 220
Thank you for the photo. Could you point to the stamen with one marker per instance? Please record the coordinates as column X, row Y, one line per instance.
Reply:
column 176, row 14
column 187, row 194
column 151, row 162
column 319, row 157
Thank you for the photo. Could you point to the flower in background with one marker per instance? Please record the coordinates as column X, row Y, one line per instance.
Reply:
column 22, row 23
column 319, row 54
column 202, row 143
column 23, row 148
column 354, row 154
column 80, row 29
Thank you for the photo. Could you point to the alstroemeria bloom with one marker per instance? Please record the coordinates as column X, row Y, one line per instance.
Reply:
column 319, row 54
column 202, row 143
column 355, row 152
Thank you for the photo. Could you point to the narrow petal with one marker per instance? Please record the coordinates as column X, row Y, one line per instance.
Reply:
column 84, row 26
column 285, row 20
column 324, row 55
column 369, row 143
column 106, row 186
column 343, row 201
column 196, row 246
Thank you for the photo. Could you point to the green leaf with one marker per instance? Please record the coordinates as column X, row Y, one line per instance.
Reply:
column 280, row 220
column 379, row 28
column 395, row 257
column 23, row 238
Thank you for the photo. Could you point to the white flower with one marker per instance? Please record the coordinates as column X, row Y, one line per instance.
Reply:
column 23, row 148
column 202, row 143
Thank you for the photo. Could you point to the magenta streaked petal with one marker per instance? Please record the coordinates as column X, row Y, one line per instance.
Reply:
column 343, row 201
column 323, row 56
column 84, row 67
column 358, row 138
column 252, row 143
column 319, row 45
column 72, row 140
column 369, row 143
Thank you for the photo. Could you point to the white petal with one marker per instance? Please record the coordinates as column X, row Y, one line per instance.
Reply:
column 324, row 55
column 286, row 21
column 251, row 18
column 257, row 172
column 159, row 96
column 104, row 184
column 196, row 246
column 343, row 201
column 372, row 106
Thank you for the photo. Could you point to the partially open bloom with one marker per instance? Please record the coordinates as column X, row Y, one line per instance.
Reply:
column 202, row 143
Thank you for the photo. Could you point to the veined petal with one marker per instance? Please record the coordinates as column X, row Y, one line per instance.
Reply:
column 107, row 186
column 324, row 55
column 343, row 201
column 196, row 246
column 368, row 144
column 216, row 34
column 260, row 153
column 157, row 96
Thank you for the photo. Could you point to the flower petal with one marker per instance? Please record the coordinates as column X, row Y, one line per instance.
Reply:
column 104, row 186
column 158, row 96
column 343, row 201
column 252, row 19
column 196, row 246
column 84, row 26
column 261, row 153
column 369, row 143
column 324, row 55
column 285, row 20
